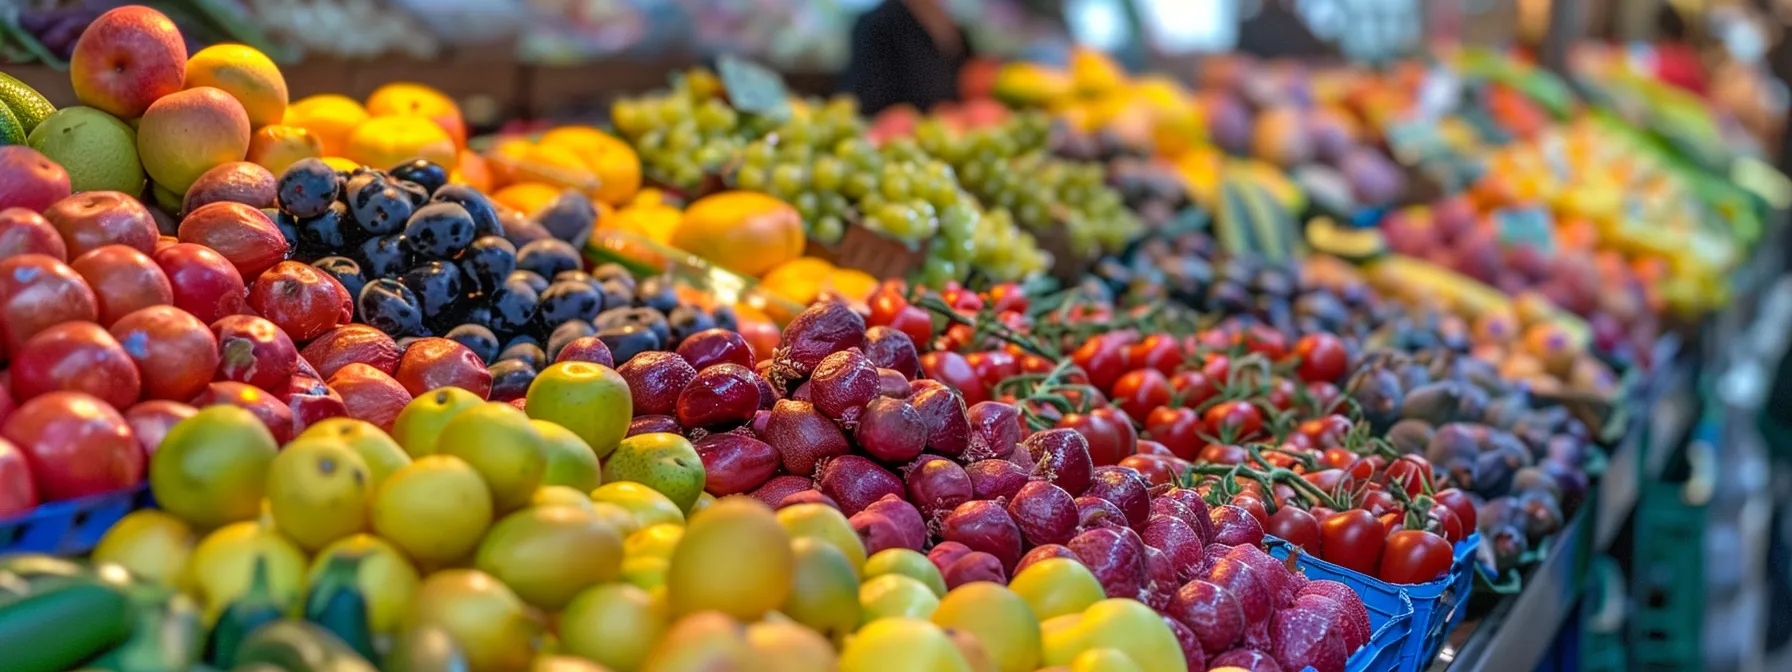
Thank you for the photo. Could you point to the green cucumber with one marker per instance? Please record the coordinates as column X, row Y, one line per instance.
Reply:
column 252, row 610
column 56, row 629
column 165, row 638
column 300, row 646
column 337, row 604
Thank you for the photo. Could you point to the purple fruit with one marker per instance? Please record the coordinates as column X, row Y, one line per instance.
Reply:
column 1337, row 619
column 890, row 429
column 995, row 429
column 1351, row 609
column 803, row 436
column 774, row 491
column 890, row 523
column 716, row 346
column 936, row 485
column 1094, row 512
column 1042, row 553
column 855, row 482
column 984, row 526
column 721, row 396
column 767, row 395
column 842, row 384
column 1248, row 587
column 1045, row 513
column 948, row 431
column 1249, row 660
column 1160, row 578
column 1191, row 647
column 947, row 552
column 655, row 380
column 1116, row 557
column 890, row 383
column 1275, row 574
column 973, row 567
column 808, row 497
column 653, row 424
column 1176, row 538
column 1300, row 638
column 991, row 479
column 824, row 329
column 1233, row 526
column 1210, row 611
column 1125, row 488
column 1062, row 457
column 733, row 464
column 1197, row 508
column 891, row 349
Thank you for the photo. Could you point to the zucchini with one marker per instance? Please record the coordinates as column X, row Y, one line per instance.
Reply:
column 56, row 629
column 165, row 638
column 300, row 646
column 253, row 609
column 337, row 604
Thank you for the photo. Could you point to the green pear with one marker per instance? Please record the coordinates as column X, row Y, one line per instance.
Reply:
column 590, row 399
column 662, row 461
column 825, row 595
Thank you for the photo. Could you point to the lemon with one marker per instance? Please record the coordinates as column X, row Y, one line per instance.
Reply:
column 224, row 563
column 646, row 573
column 434, row 509
column 547, row 554
column 560, row 495
column 382, row 454
column 620, row 519
column 244, row 73
column 653, row 541
column 154, row 545
column 386, row 578
column 318, row 490
column 613, row 162
column 98, row 151
column 212, row 468
column 614, row 624
column 527, row 197
column 646, row 504
column 499, row 441
column 419, row 426
column 391, row 140
column 329, row 117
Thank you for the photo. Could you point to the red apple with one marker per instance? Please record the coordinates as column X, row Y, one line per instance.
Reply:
column 123, row 280
column 76, row 444
column 76, row 356
column 253, row 350
column 304, row 301
column 587, row 349
column 176, row 354
column 24, row 231
column 151, row 420
column 352, row 344
column 311, row 402
column 126, row 59
column 18, row 494
column 204, row 282
column 94, row 219
column 430, row 363
column 243, row 234
column 6, row 404
column 38, row 292
column 370, row 394
column 266, row 407
column 29, row 179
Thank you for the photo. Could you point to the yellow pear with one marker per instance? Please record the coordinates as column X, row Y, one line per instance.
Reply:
column 902, row 645
column 734, row 558
column 999, row 618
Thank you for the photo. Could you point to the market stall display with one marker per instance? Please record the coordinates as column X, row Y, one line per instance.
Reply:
column 1101, row 373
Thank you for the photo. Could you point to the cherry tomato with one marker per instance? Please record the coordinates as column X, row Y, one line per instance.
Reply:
column 1238, row 419
column 1440, row 520
column 1221, row 453
column 951, row 368
column 957, row 336
column 1460, row 504
column 1377, row 501
column 1412, row 472
column 1322, row 358
column 1035, row 364
column 1104, row 439
column 1252, row 504
column 992, row 367
column 1320, row 513
column 1329, row 480
column 1414, row 556
column 1157, row 469
column 1140, row 390
column 963, row 300
column 1352, row 539
column 1157, row 351
column 1327, row 432
column 1324, row 394
column 1195, row 387
column 1214, row 339
column 1262, row 339
column 1008, row 296
column 1393, row 521
column 1179, row 429
column 1281, row 394
column 1218, row 368
column 1295, row 525
column 1122, row 423
column 885, row 303
column 1149, row 447
column 1103, row 359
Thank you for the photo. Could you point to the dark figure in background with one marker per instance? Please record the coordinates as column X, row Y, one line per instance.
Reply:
column 905, row 51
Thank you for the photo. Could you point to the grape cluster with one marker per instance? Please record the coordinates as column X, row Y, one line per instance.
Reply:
column 685, row 133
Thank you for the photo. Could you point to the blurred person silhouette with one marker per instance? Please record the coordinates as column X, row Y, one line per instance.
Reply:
column 905, row 51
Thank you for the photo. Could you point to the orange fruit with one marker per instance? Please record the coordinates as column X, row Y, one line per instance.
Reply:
column 329, row 117
column 527, row 197
column 409, row 99
column 340, row 163
column 745, row 231
column 278, row 146
column 612, row 161
column 384, row 142
column 473, row 171
column 244, row 73
column 555, row 165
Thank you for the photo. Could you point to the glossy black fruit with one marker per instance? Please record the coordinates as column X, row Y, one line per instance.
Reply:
column 616, row 272
column 657, row 293
column 513, row 306
column 289, row 227
column 579, row 276
column 485, row 217
column 419, row 195
column 422, row 173
column 511, row 379
column 726, row 319
column 686, row 320
column 548, row 257
column 486, row 263
column 387, row 305
column 646, row 318
column 328, row 233
column 617, row 294
column 527, row 351
column 346, row 271
column 477, row 338
column 567, row 332
column 569, row 217
column 629, row 340
column 306, row 188
column 439, row 230
column 568, row 300
column 437, row 285
column 380, row 208
column 534, row 280
column 384, row 256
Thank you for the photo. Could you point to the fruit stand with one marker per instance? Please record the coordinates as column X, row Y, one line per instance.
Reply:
column 1301, row 367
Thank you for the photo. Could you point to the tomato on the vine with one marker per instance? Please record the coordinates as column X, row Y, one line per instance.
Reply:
column 1262, row 339
column 1393, row 521
column 1105, row 441
column 1222, row 453
column 1325, row 433
column 1295, row 525
column 1377, row 501
column 1030, row 363
column 951, row 368
column 963, row 299
column 1252, row 504
column 1412, row 472
column 1324, row 394
column 1440, row 520
column 1351, row 463
column 885, row 304
column 1218, row 368
column 1103, row 358
column 1122, row 423
column 1281, row 394
column 1322, row 358
column 1179, row 429
column 915, row 323
column 1157, row 351
column 1352, row 539
column 1330, row 480
column 956, row 336
column 992, row 366
column 1008, row 296
column 1157, row 469
column 1194, row 386
column 1149, row 447
column 1139, row 391
column 1414, row 556
column 1459, row 503
column 1240, row 419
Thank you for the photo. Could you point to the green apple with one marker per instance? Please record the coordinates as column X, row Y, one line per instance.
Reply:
column 895, row 595
column 592, row 400
column 663, row 461
column 419, row 426
column 382, row 454
column 824, row 523
column 908, row 563
column 570, row 462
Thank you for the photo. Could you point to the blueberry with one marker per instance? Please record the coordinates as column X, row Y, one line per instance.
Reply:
column 513, row 306
column 547, row 257
column 289, row 227
column 485, row 217
column 567, row 332
column 327, row 233
column 478, row 339
column 686, row 320
column 378, row 207
column 568, row 217
column 617, row 294
column 486, row 263
column 422, row 173
column 384, row 256
column 414, row 191
column 646, row 318
column 436, row 284
column 629, row 340
column 726, row 319
column 511, row 379
column 528, row 351
column 386, row 305
column 439, row 230
column 306, row 188
column 657, row 293
column 532, row 278
column 568, row 300
column 345, row 270
column 614, row 271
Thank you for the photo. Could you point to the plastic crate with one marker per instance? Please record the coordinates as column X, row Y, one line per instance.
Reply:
column 1392, row 627
column 1437, row 607
column 71, row 527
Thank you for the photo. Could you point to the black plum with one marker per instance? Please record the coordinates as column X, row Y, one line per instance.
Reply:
column 567, row 332
column 306, row 188
column 570, row 217
column 486, row 263
column 533, row 279
column 617, row 294
column 526, row 350
column 437, row 286
column 686, row 320
column 614, row 271
column 346, row 271
column 512, row 306
column 327, row 233
column 548, row 257
column 478, row 339
column 629, row 340
column 384, row 256
column 511, row 379
column 289, row 227
column 380, row 208
column 485, row 217
column 568, row 300
column 439, row 230
column 657, row 293
column 387, row 305
column 422, row 173
column 646, row 318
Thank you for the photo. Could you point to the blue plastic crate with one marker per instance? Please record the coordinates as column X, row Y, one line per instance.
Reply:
column 1392, row 628
column 1437, row 607
column 71, row 527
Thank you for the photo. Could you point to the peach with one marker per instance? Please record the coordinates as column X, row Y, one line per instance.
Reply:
column 91, row 220
column 189, row 132
column 370, row 394
column 276, row 147
column 30, row 180
column 24, row 231
column 243, row 234
column 236, row 182
column 126, row 60
column 416, row 100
